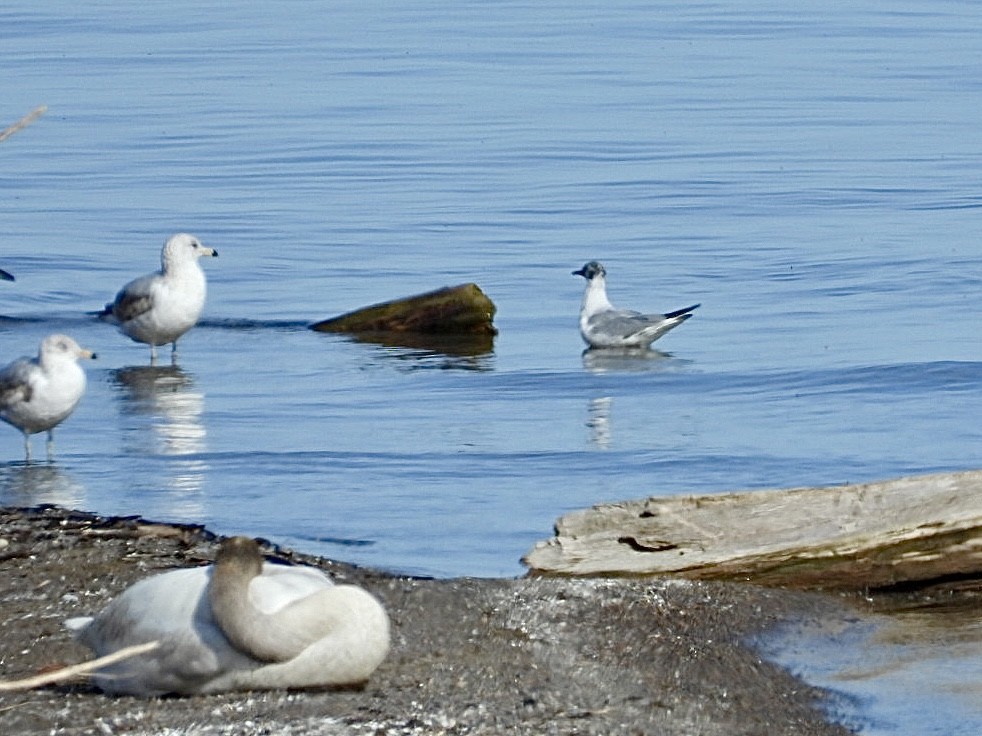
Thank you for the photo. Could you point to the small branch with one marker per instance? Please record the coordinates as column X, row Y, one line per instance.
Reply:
column 23, row 122
column 76, row 670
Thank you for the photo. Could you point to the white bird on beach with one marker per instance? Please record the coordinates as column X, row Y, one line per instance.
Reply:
column 604, row 326
column 240, row 624
column 37, row 394
column 160, row 307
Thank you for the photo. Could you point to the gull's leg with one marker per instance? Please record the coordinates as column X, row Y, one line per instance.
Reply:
column 27, row 447
column 50, row 445
column 153, row 354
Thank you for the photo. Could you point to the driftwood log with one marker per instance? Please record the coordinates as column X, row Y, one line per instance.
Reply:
column 463, row 309
column 909, row 531
column 23, row 122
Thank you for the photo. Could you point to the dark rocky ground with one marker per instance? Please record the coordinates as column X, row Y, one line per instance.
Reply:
column 469, row 656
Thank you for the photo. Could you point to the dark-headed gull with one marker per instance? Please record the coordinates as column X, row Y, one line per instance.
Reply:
column 604, row 326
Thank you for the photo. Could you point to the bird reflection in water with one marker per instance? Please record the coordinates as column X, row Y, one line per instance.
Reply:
column 26, row 484
column 599, row 421
column 167, row 413
column 619, row 360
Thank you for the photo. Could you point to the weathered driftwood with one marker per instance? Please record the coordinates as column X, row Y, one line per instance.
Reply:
column 71, row 672
column 463, row 309
column 905, row 531
column 23, row 122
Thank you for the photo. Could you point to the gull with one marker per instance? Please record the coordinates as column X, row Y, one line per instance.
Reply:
column 37, row 394
column 604, row 326
column 240, row 624
column 160, row 307
column 4, row 276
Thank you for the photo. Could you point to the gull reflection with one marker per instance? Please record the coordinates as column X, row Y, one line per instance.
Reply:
column 599, row 421
column 167, row 413
column 617, row 360
column 628, row 360
column 31, row 484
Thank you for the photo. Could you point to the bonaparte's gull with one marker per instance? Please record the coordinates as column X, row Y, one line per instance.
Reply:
column 4, row 276
column 240, row 624
column 160, row 307
column 604, row 326
column 37, row 394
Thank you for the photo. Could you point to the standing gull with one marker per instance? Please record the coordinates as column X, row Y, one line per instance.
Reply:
column 604, row 326
column 160, row 307
column 37, row 394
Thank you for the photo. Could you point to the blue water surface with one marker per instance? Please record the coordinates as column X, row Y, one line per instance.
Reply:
column 810, row 174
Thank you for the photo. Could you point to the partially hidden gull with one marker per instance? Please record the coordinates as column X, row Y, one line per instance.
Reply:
column 240, row 624
column 604, row 326
column 158, row 308
column 37, row 394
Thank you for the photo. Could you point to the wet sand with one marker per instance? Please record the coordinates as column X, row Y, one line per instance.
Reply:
column 469, row 656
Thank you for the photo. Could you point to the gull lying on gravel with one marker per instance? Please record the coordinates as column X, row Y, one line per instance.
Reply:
column 160, row 307
column 604, row 326
column 240, row 624
column 37, row 394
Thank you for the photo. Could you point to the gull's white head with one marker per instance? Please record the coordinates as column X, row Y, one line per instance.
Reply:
column 183, row 248
column 55, row 347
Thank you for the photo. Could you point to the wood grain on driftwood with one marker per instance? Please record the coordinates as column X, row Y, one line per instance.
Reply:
column 872, row 535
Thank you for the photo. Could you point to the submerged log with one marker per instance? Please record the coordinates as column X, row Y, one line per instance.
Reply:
column 463, row 309
column 915, row 530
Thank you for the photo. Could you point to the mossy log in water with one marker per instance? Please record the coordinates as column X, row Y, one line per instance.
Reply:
column 909, row 531
column 463, row 309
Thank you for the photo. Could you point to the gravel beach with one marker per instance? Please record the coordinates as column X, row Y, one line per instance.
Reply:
column 469, row 656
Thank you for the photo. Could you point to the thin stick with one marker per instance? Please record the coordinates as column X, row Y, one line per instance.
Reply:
column 76, row 670
column 23, row 122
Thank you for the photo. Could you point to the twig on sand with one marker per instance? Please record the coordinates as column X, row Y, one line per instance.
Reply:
column 23, row 122
column 76, row 670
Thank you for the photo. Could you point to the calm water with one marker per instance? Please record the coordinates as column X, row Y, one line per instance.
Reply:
column 810, row 175
column 913, row 672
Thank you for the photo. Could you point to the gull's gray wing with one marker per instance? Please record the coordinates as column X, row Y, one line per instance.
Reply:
column 622, row 323
column 15, row 382
column 134, row 299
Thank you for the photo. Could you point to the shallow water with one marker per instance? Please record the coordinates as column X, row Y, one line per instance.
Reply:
column 915, row 671
column 809, row 175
